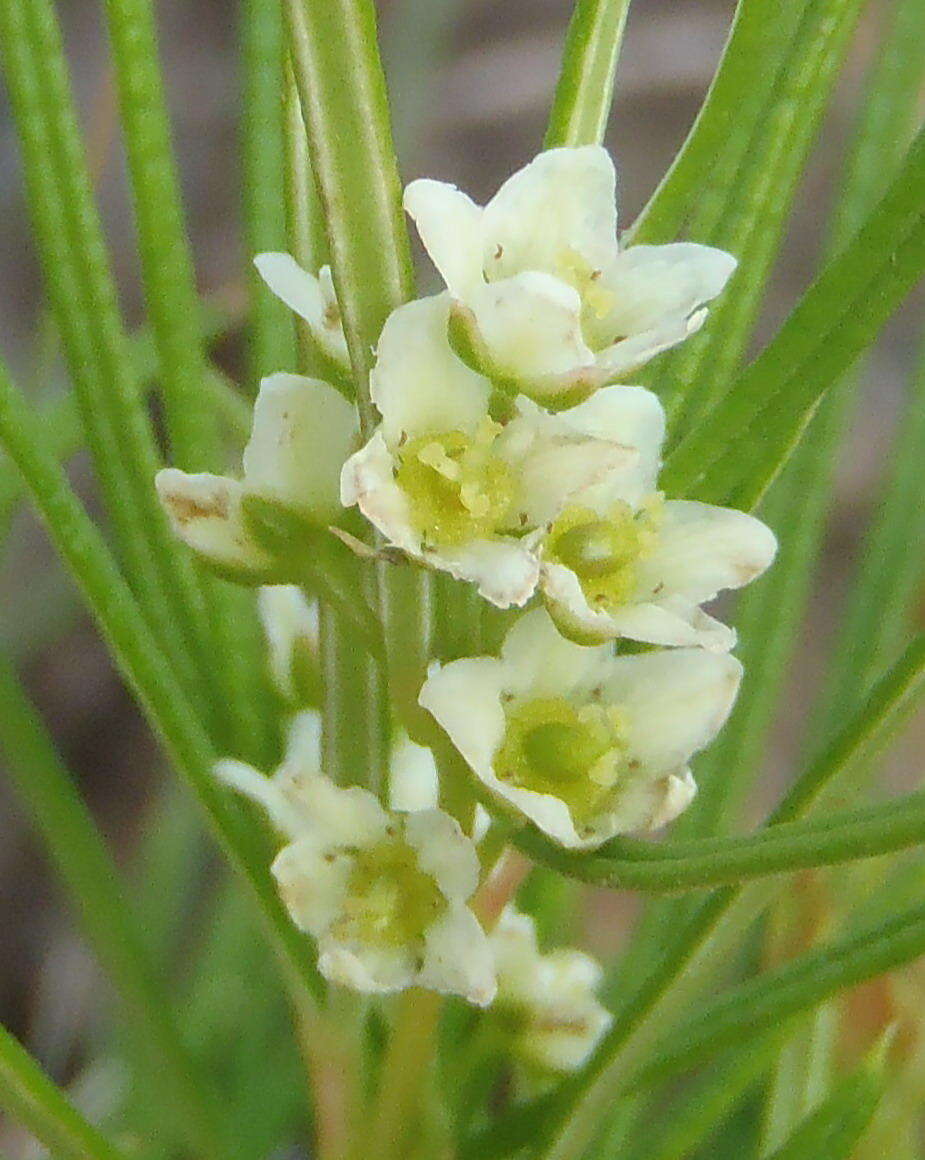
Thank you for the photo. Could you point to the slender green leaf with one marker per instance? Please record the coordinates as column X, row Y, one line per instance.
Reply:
column 735, row 453
column 737, row 101
column 92, row 881
column 782, row 848
column 835, row 1127
column 766, row 1001
column 750, row 218
column 140, row 659
column 30, row 1097
column 589, row 63
column 173, row 309
column 890, row 566
column 82, row 293
column 700, row 1109
column 167, row 269
column 344, row 105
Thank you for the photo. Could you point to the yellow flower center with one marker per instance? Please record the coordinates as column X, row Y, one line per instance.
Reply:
column 458, row 490
column 604, row 551
column 575, row 752
column 390, row 901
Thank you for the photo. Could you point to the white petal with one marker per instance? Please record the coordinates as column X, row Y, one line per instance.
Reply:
column 539, row 662
column 289, row 622
column 303, row 431
column 444, row 852
column 205, row 512
column 457, row 957
column 309, row 298
column 506, row 570
column 412, row 777
column 312, row 886
column 649, row 284
column 624, row 357
column 703, row 550
column 372, row 969
column 449, row 223
column 531, row 327
column 303, row 741
column 668, row 621
column 465, row 698
column 675, row 702
column 559, row 207
column 283, row 812
column 629, row 415
column 418, row 383
column 368, row 481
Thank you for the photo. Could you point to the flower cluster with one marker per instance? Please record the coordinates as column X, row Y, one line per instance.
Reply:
column 512, row 454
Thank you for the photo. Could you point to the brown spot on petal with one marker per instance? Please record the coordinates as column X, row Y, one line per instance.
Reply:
column 185, row 508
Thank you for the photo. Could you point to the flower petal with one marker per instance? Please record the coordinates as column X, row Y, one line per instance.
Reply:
column 703, row 549
column 412, row 777
column 552, row 461
column 647, row 805
column 368, row 480
column 309, row 298
column 205, row 512
column 539, row 662
column 559, row 208
column 449, row 224
column 444, row 852
column 630, row 415
column 465, row 698
column 303, row 431
column 374, row 970
column 647, row 285
column 530, row 325
column 667, row 621
column 629, row 354
column 418, row 383
column 675, row 702
column 312, row 886
column 505, row 571
column 458, row 958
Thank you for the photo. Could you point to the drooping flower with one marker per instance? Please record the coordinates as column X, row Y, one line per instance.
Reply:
column 547, row 1001
column 457, row 489
column 383, row 892
column 623, row 561
column 583, row 743
column 313, row 299
column 546, row 301
column 251, row 529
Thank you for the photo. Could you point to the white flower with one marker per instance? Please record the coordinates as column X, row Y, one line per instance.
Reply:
column 313, row 299
column 449, row 485
column 303, row 430
column 383, row 893
column 547, row 300
column 622, row 561
column 546, row 1000
column 290, row 624
column 583, row 743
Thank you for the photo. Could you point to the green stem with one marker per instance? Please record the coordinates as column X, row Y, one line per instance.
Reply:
column 263, row 146
column 584, row 92
column 93, row 882
column 30, row 1096
column 344, row 104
